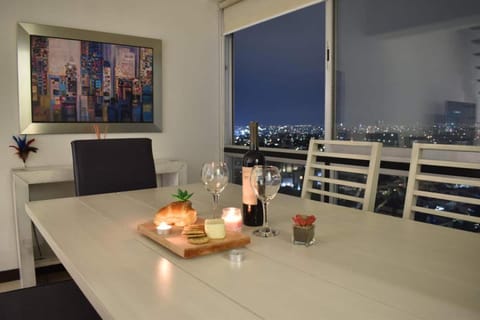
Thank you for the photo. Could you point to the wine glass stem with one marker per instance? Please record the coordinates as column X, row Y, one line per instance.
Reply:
column 215, row 204
column 265, row 216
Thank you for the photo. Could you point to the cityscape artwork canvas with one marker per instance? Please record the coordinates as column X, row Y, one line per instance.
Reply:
column 72, row 80
column 89, row 81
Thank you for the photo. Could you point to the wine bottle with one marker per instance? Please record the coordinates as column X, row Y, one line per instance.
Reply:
column 252, row 207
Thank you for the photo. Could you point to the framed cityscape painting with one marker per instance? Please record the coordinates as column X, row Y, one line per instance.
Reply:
column 72, row 79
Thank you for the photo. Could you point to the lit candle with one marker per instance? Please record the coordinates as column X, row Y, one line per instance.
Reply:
column 163, row 228
column 233, row 219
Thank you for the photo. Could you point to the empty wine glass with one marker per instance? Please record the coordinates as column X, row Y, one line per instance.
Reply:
column 215, row 179
column 265, row 181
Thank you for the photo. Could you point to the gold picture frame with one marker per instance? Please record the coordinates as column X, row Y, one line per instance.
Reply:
column 127, row 98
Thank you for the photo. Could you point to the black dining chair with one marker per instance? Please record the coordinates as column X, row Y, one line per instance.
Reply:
column 113, row 165
column 57, row 301
column 99, row 166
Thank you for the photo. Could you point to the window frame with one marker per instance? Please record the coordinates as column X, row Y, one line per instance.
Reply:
column 228, row 77
column 389, row 154
column 395, row 161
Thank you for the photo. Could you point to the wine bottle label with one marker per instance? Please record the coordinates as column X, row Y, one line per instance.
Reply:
column 248, row 195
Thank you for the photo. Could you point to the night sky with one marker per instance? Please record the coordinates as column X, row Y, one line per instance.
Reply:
column 279, row 70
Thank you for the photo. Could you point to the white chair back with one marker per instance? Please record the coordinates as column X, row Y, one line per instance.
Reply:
column 333, row 168
column 443, row 163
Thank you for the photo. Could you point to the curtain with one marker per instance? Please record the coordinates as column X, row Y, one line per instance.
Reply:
column 238, row 15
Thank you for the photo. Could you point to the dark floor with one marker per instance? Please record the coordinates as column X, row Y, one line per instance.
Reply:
column 51, row 274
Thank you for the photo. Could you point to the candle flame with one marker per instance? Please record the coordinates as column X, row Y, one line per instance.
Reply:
column 163, row 226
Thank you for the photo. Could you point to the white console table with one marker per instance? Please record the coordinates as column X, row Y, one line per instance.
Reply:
column 55, row 182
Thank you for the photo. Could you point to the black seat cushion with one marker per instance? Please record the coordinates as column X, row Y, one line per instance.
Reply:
column 113, row 165
column 61, row 300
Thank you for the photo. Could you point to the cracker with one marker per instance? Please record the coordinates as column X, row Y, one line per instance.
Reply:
column 187, row 233
column 201, row 240
column 196, row 236
column 193, row 227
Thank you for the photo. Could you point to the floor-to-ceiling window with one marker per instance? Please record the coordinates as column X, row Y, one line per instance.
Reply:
column 279, row 79
column 405, row 71
column 278, row 72
column 409, row 71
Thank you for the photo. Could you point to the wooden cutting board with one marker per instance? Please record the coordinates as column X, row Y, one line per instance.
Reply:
column 179, row 244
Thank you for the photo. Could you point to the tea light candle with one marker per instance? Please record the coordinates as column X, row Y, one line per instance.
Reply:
column 163, row 228
column 233, row 219
column 236, row 256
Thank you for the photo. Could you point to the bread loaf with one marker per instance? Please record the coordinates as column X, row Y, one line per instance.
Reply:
column 179, row 213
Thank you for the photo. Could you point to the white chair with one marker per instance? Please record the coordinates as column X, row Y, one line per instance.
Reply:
column 342, row 170
column 434, row 168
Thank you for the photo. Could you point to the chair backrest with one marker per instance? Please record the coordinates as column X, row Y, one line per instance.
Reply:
column 113, row 165
column 342, row 170
column 438, row 177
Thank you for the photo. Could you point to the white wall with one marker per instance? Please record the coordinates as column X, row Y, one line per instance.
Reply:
column 189, row 31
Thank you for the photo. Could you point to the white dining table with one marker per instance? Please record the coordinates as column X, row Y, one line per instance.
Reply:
column 362, row 266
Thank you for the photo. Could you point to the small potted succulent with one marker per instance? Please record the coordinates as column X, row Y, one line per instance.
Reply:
column 303, row 229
